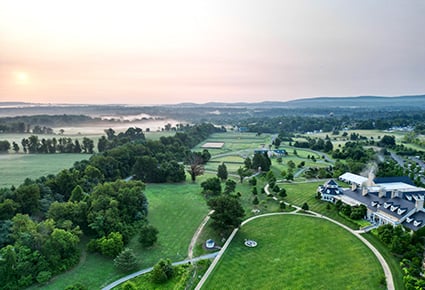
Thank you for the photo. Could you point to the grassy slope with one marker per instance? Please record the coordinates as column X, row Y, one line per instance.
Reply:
column 16, row 167
column 175, row 209
column 292, row 253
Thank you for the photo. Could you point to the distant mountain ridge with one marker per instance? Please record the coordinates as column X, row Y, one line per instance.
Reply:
column 356, row 101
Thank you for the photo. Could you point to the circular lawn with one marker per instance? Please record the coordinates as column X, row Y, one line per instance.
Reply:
column 296, row 252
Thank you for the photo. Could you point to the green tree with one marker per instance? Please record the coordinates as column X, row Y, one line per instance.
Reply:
column 261, row 160
column 255, row 201
column 211, row 186
column 126, row 261
column 162, row 271
column 291, row 164
column 77, row 194
column 111, row 245
column 222, row 172
column 228, row 212
column 148, row 235
column 43, row 277
column 230, row 186
column 305, row 206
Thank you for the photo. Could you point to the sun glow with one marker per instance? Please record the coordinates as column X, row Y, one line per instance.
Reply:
column 21, row 78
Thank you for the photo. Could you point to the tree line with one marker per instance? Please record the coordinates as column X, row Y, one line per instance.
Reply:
column 43, row 220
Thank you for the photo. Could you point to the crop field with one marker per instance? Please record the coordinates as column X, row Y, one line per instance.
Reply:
column 15, row 168
column 293, row 254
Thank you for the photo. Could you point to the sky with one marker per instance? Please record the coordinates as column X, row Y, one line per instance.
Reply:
column 167, row 52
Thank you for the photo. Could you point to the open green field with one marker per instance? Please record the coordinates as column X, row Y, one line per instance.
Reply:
column 176, row 210
column 15, row 168
column 236, row 142
column 296, row 252
column 298, row 193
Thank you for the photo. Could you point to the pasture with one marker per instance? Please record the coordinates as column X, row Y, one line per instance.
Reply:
column 15, row 168
column 296, row 252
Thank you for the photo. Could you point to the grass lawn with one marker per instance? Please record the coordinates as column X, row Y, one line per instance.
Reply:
column 176, row 210
column 393, row 262
column 298, row 193
column 15, row 168
column 296, row 252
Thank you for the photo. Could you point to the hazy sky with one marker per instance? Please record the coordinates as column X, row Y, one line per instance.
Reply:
column 153, row 52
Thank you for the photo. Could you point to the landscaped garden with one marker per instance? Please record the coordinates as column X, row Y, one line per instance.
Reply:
column 296, row 252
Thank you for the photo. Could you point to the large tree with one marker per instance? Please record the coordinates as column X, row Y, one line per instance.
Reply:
column 228, row 213
column 211, row 186
column 195, row 165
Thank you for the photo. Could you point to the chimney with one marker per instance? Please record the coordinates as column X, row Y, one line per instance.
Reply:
column 353, row 187
column 382, row 193
column 395, row 193
column 370, row 179
column 419, row 203
column 365, row 191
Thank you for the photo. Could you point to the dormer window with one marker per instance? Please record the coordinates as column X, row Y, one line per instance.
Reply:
column 393, row 208
column 417, row 223
column 401, row 211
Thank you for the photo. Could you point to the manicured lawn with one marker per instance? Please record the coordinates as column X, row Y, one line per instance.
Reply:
column 298, row 193
column 176, row 210
column 15, row 168
column 296, row 252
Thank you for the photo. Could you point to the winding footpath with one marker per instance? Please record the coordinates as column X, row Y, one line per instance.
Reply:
column 384, row 264
column 189, row 259
column 196, row 235
column 217, row 255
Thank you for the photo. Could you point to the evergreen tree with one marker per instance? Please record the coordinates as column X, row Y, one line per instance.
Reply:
column 222, row 172
column 126, row 261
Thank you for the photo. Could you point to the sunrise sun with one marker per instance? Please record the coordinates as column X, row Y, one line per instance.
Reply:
column 21, row 77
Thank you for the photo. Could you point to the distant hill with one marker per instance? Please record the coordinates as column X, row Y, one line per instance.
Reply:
column 369, row 106
column 361, row 101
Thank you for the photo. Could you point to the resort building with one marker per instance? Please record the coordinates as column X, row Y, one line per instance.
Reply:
column 392, row 200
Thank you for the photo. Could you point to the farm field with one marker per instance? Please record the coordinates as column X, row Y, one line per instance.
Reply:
column 176, row 210
column 15, row 168
column 293, row 254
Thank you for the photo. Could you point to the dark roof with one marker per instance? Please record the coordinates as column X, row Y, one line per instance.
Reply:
column 369, row 198
column 331, row 182
column 404, row 179
column 418, row 216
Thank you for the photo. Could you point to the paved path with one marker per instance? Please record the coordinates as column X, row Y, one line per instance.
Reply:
column 384, row 264
column 196, row 235
column 147, row 270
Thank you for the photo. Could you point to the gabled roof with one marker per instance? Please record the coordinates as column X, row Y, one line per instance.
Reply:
column 353, row 178
column 331, row 182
